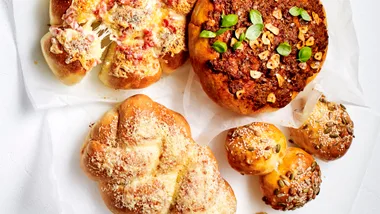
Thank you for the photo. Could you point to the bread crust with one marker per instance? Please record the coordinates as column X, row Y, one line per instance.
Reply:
column 69, row 74
column 115, row 77
column 169, row 63
column 145, row 161
column 327, row 133
column 57, row 9
column 296, row 181
column 255, row 149
column 216, row 83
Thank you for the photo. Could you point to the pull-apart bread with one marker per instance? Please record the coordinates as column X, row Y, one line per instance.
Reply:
column 257, row 55
column 146, row 37
column 145, row 161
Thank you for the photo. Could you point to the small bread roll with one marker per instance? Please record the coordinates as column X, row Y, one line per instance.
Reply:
column 68, row 73
column 327, row 133
column 296, row 181
column 120, row 72
column 255, row 149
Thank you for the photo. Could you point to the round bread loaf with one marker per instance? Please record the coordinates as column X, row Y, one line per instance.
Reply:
column 255, row 149
column 296, row 181
column 257, row 55
column 146, row 37
column 327, row 133
column 145, row 161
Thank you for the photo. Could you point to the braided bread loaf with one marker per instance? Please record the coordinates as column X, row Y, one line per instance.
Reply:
column 145, row 161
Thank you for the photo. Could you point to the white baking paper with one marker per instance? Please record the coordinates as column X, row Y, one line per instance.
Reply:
column 341, row 179
column 338, row 80
column 44, row 89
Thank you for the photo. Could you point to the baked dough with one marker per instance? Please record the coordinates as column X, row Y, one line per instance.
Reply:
column 327, row 133
column 255, row 78
column 255, row 149
column 296, row 181
column 146, row 37
column 145, row 161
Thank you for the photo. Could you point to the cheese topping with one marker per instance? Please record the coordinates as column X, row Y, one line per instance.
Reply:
column 138, row 26
column 172, row 32
column 82, row 45
column 127, row 24
column 81, row 11
column 141, row 63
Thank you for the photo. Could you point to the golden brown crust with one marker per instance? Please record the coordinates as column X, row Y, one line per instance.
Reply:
column 141, row 75
column 296, row 181
column 57, row 9
column 242, row 97
column 255, row 149
column 170, row 63
column 145, row 161
column 327, row 133
column 69, row 74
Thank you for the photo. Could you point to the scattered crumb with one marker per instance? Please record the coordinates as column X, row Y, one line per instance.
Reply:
column 261, row 213
column 35, row 62
column 91, row 125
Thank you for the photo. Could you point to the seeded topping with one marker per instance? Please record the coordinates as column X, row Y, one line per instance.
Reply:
column 298, row 181
column 266, row 27
column 255, row 148
column 328, row 131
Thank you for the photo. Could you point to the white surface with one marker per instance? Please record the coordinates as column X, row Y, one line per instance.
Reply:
column 23, row 164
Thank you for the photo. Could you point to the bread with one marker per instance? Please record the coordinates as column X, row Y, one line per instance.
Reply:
column 254, row 78
column 327, row 133
column 296, row 181
column 255, row 149
column 148, row 37
column 119, row 73
column 68, row 73
column 57, row 10
column 143, row 158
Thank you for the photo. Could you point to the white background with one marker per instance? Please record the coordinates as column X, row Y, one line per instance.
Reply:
column 20, row 125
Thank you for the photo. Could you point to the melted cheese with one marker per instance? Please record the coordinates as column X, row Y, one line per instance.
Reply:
column 140, row 63
column 172, row 32
column 83, row 45
column 127, row 24
column 134, row 25
column 81, row 11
